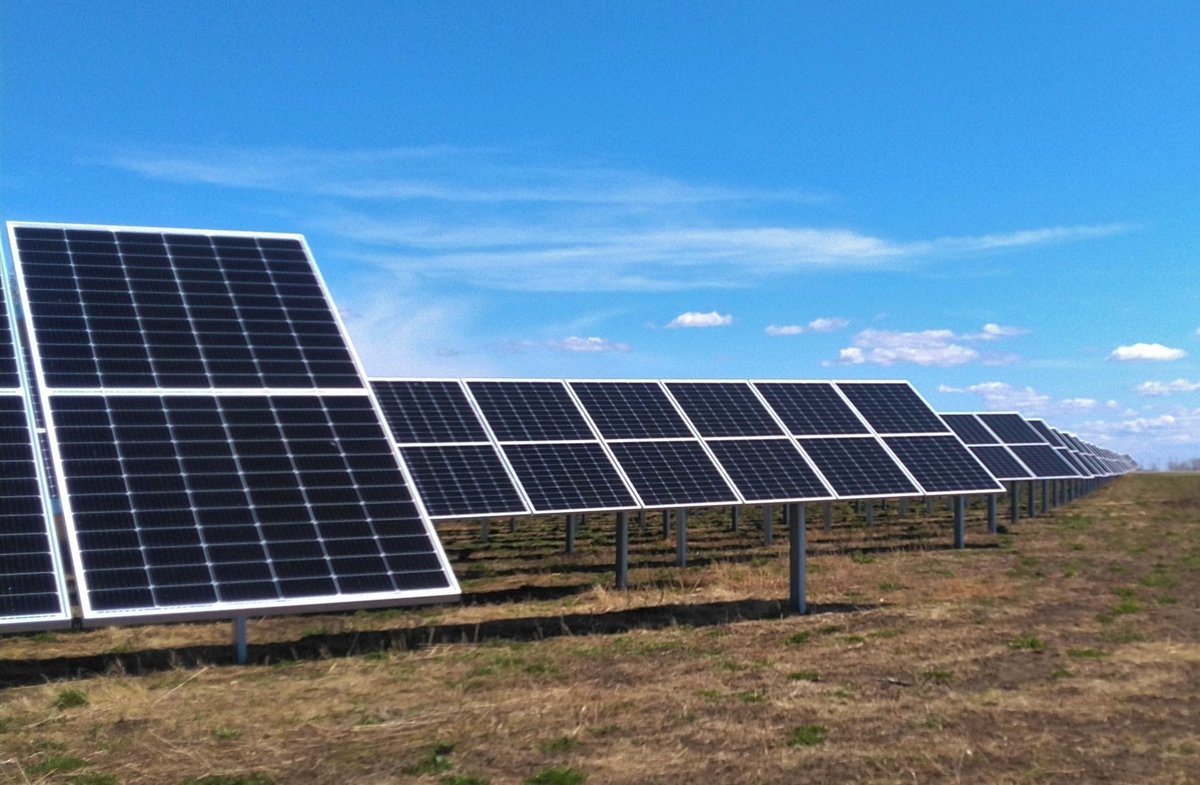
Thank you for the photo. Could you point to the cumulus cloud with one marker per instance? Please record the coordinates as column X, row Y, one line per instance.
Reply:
column 1001, row 397
column 1079, row 404
column 993, row 331
column 1155, row 388
column 590, row 344
column 820, row 325
column 695, row 319
column 938, row 348
column 1146, row 352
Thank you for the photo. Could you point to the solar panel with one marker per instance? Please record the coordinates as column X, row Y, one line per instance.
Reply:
column 216, row 446
column 892, row 407
column 941, row 464
column 631, row 410
column 569, row 477
column 672, row 473
column 969, row 429
column 811, row 408
column 724, row 409
column 165, row 310
column 1011, row 428
column 1073, row 459
column 33, row 594
column 1046, row 433
column 1044, row 461
column 529, row 411
column 1003, row 465
column 769, row 470
column 859, row 467
column 428, row 412
column 463, row 481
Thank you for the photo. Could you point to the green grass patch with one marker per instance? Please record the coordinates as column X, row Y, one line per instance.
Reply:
column 858, row 557
column 557, row 776
column 807, row 735
column 887, row 587
column 1121, row 636
column 56, row 764
column 435, row 761
column 70, row 699
column 1027, row 643
column 799, row 638
column 752, row 696
column 1086, row 654
column 937, row 677
column 226, row 733
column 559, row 746
column 92, row 779
column 804, row 676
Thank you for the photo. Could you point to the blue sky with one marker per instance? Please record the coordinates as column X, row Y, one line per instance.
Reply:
column 996, row 201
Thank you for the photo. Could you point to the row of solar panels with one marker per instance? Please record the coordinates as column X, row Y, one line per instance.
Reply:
column 480, row 448
column 216, row 449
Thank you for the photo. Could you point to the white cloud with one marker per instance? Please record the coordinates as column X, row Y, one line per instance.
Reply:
column 1079, row 404
column 1003, row 397
column 488, row 218
column 820, row 325
column 591, row 344
column 993, row 331
column 1148, row 352
column 929, row 348
column 695, row 319
column 1167, row 388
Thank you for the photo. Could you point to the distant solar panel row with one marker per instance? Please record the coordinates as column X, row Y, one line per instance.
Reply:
column 216, row 446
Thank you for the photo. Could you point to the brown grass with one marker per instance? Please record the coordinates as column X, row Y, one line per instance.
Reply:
column 917, row 665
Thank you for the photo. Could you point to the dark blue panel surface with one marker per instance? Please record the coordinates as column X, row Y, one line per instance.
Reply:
column 630, row 410
column 530, row 411
column 1044, row 461
column 892, row 407
column 969, row 429
column 1000, row 462
column 768, row 470
column 462, row 481
column 859, row 467
column 1011, row 428
column 672, row 473
column 568, row 477
column 724, row 409
column 428, row 412
column 941, row 464
column 811, row 408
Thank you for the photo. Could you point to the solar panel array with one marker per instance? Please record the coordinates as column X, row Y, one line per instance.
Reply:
column 216, row 447
column 1000, row 460
column 32, row 589
column 1029, row 446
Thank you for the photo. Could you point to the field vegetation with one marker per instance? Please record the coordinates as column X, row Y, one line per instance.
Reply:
column 1064, row 650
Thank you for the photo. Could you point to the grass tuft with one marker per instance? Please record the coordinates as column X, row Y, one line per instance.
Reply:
column 557, row 776
column 804, row 676
column 807, row 735
column 435, row 761
column 1027, row 643
column 253, row 778
column 70, row 699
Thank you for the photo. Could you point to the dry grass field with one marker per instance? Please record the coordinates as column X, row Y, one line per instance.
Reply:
column 1066, row 650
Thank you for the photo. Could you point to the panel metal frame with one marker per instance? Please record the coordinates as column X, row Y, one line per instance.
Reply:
column 997, row 443
column 25, row 394
column 223, row 609
column 1041, row 442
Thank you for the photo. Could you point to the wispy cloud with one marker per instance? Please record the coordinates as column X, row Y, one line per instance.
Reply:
column 1003, row 397
column 1146, row 352
column 938, row 348
column 492, row 219
column 695, row 319
column 819, row 325
column 590, row 344
column 1154, row 388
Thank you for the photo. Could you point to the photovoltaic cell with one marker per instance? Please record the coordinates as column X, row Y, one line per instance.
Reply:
column 969, row 429
column 769, row 470
column 724, row 409
column 574, row 477
column 145, row 309
column 1011, row 428
column 31, row 593
column 859, row 467
column 1000, row 462
column 811, row 408
column 630, row 410
column 1046, row 433
column 672, row 473
column 941, row 464
column 892, row 407
column 185, row 500
column 462, row 481
column 428, row 412
column 1044, row 461
column 1073, row 459
column 10, row 378
column 530, row 411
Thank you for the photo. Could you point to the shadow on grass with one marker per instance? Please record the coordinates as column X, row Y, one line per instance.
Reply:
column 317, row 647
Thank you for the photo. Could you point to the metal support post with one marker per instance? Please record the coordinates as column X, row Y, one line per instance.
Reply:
column 485, row 531
column 642, row 519
column 623, row 550
column 240, row 646
column 1032, row 503
column 870, row 508
column 570, row 534
column 1045, row 496
column 828, row 513
column 768, row 524
column 681, row 538
column 1015, row 497
column 904, row 507
column 735, row 516
column 512, row 525
column 929, row 505
column 993, row 527
column 960, row 522
column 798, row 572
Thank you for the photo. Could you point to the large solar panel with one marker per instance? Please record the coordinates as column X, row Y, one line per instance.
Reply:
column 457, row 470
column 1011, row 428
column 672, row 474
column 718, row 409
column 811, row 408
column 1045, row 432
column 631, row 410
column 569, row 477
column 859, row 467
column 892, row 407
column 969, row 429
column 942, row 465
column 1044, row 461
column 529, row 411
column 174, row 310
column 1003, row 465
column 33, row 594
column 217, row 449
column 555, row 455
column 767, row 471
